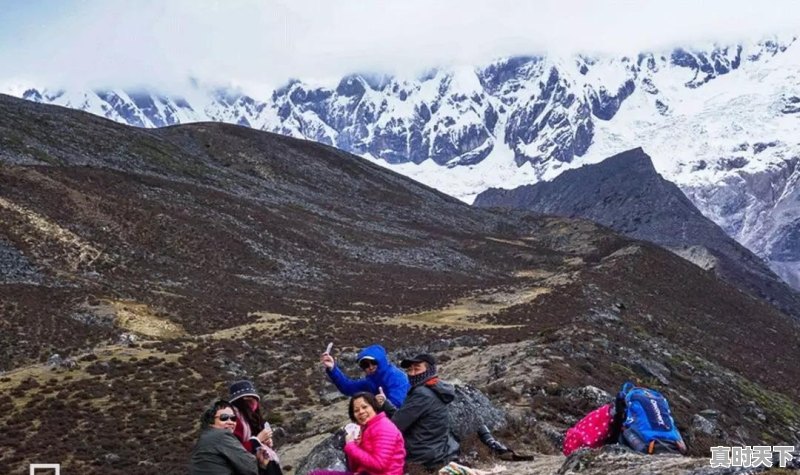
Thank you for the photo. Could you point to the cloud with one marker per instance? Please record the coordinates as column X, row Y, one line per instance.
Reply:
column 261, row 44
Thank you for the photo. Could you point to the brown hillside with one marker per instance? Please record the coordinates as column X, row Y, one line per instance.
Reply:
column 162, row 264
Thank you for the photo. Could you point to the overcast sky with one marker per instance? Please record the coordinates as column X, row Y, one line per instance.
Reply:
column 260, row 44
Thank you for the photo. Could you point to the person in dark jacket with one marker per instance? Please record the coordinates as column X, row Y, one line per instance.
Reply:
column 379, row 375
column 218, row 452
column 423, row 418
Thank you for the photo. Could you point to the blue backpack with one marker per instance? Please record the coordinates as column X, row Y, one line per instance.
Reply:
column 648, row 426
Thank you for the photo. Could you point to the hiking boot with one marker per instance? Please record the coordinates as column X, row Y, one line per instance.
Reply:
column 488, row 439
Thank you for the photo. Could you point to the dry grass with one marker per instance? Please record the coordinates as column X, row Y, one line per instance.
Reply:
column 140, row 318
column 536, row 274
column 267, row 322
column 466, row 312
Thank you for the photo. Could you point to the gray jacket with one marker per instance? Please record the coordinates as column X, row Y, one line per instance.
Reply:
column 425, row 424
column 219, row 452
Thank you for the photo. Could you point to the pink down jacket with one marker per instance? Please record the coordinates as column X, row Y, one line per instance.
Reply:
column 381, row 450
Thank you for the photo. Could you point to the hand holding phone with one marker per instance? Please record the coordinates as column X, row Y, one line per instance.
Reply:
column 352, row 430
column 326, row 359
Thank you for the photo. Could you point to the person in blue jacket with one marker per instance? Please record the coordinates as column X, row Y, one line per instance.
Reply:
column 380, row 376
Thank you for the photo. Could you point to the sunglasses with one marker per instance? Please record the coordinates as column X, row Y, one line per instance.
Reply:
column 364, row 364
column 227, row 417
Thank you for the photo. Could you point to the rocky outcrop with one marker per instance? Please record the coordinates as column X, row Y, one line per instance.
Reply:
column 620, row 460
column 327, row 455
column 759, row 210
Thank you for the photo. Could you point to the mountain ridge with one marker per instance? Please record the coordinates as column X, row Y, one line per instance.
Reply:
column 718, row 120
column 626, row 193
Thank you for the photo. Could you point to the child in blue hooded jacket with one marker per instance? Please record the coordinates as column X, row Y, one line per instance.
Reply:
column 379, row 374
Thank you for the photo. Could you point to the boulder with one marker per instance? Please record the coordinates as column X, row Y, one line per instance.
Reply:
column 327, row 455
column 621, row 460
column 702, row 425
column 471, row 409
column 55, row 361
column 127, row 339
column 595, row 395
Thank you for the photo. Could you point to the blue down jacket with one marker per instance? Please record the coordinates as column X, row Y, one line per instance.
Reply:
column 388, row 376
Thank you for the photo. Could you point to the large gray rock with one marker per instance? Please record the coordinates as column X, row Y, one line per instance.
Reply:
column 702, row 425
column 55, row 361
column 623, row 461
column 471, row 409
column 597, row 396
column 327, row 455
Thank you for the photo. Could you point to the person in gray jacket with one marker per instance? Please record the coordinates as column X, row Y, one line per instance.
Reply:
column 218, row 451
column 423, row 418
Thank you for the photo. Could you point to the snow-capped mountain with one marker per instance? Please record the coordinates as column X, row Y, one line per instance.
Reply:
column 720, row 121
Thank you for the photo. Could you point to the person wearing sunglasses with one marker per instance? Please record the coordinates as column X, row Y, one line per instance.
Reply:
column 218, row 452
column 250, row 429
column 380, row 376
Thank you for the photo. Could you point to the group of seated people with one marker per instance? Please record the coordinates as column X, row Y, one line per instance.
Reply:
column 401, row 416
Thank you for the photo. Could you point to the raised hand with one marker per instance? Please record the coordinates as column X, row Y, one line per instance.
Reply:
column 327, row 361
column 380, row 397
column 265, row 437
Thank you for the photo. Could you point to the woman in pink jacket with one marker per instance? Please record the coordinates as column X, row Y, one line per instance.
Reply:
column 379, row 449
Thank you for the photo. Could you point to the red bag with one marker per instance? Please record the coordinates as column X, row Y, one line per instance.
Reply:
column 591, row 431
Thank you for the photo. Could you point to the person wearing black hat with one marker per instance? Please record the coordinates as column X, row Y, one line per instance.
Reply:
column 250, row 420
column 423, row 418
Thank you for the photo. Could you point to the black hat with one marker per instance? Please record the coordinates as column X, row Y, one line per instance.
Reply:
column 242, row 389
column 418, row 359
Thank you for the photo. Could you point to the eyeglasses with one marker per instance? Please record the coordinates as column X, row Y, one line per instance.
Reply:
column 227, row 417
column 365, row 363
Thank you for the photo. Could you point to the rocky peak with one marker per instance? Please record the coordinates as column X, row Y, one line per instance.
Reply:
column 626, row 193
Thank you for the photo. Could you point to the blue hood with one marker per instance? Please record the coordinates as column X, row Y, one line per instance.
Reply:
column 378, row 353
column 387, row 376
